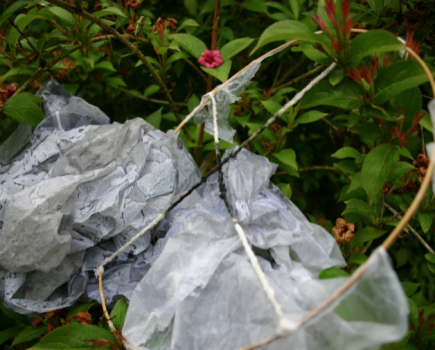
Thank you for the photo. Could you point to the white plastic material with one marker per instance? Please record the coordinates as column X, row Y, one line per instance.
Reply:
column 202, row 292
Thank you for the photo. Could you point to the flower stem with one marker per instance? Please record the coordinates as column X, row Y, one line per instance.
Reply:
column 217, row 10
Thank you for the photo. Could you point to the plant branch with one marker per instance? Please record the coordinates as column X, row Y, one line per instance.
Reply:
column 162, row 102
column 42, row 61
column 410, row 228
column 81, row 12
column 299, row 78
column 50, row 64
column 289, row 72
column 216, row 15
column 197, row 70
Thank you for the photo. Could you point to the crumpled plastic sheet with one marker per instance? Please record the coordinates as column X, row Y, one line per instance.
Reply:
column 202, row 292
column 226, row 95
column 80, row 191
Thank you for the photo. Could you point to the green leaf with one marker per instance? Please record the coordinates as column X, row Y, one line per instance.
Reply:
column 191, row 6
column 22, row 21
column 271, row 106
column 118, row 313
column 376, row 167
column 295, row 7
column 336, row 76
column 425, row 221
column 348, row 152
column 12, row 73
column 23, row 108
column 286, row 189
column 404, row 152
column 9, row 333
column 155, row 118
column 346, row 95
column 355, row 183
column 365, row 235
column 255, row 5
column 376, row 5
column 396, row 78
column 287, row 30
column 348, row 166
column 80, row 308
column 310, row 117
column 29, row 333
column 357, row 258
column 188, row 23
column 220, row 72
column 109, row 11
column 409, row 288
column 11, row 9
column 357, row 206
column 105, row 65
column 332, row 272
column 115, row 81
column 287, row 156
column 426, row 123
column 191, row 44
column 372, row 42
column 74, row 336
column 223, row 145
column 13, row 315
column 430, row 257
column 151, row 90
column 368, row 130
column 176, row 56
column 233, row 47
column 413, row 312
column 397, row 170
column 64, row 15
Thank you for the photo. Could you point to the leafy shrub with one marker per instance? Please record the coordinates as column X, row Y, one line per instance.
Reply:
column 351, row 154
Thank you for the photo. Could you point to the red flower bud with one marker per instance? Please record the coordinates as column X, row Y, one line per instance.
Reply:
column 330, row 10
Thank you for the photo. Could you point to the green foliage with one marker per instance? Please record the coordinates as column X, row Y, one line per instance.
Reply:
column 349, row 147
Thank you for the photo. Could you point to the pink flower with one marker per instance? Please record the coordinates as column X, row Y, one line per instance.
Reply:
column 210, row 58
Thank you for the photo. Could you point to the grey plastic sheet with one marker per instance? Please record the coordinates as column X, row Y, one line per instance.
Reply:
column 202, row 293
column 80, row 190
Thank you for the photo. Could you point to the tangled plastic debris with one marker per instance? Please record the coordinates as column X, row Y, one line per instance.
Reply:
column 82, row 188
column 78, row 192
column 202, row 292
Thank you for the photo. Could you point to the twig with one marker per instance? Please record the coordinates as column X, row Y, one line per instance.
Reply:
column 162, row 102
column 414, row 232
column 299, row 78
column 50, row 64
column 81, row 12
column 423, row 147
column 139, row 26
column 310, row 168
column 197, row 70
column 317, row 167
column 330, row 124
column 278, row 72
column 290, row 72
column 42, row 61
column 216, row 15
